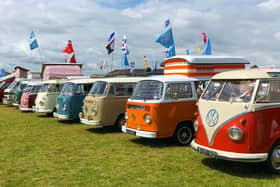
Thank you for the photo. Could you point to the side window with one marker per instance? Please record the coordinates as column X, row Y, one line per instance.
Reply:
column 268, row 92
column 179, row 91
column 123, row 89
column 263, row 92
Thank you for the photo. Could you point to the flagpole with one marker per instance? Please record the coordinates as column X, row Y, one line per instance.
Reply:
column 40, row 55
column 112, row 61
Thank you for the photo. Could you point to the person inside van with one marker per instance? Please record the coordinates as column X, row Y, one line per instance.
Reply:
column 245, row 91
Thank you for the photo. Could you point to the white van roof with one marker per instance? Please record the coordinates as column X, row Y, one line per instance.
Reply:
column 82, row 81
column 249, row 74
column 121, row 79
column 54, row 81
column 170, row 78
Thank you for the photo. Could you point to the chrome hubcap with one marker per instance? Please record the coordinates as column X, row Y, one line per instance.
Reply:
column 275, row 157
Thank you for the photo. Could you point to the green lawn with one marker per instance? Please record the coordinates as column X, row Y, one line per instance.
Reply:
column 36, row 150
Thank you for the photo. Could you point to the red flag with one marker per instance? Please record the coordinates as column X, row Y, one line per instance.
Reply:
column 69, row 48
column 204, row 37
column 73, row 59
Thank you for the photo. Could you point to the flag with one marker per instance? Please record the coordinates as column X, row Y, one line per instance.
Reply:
column 2, row 73
column 73, row 59
column 68, row 48
column 124, row 48
column 70, row 51
column 171, row 51
column 167, row 23
column 33, row 44
column 145, row 62
column 166, row 38
column 187, row 51
column 204, row 37
column 124, row 60
column 207, row 48
column 111, row 43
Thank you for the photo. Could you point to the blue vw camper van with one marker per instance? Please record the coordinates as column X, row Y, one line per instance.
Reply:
column 70, row 100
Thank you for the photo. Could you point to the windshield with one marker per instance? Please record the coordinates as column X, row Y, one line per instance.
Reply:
column 35, row 89
column 27, row 89
column 2, row 83
column 50, row 88
column 13, row 85
column 68, row 88
column 21, row 86
column 230, row 90
column 148, row 90
column 98, row 89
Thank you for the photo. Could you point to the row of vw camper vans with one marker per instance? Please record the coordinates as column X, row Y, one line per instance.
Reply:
column 236, row 118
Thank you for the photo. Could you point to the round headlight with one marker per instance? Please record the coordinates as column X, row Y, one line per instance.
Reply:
column 147, row 118
column 125, row 115
column 195, row 125
column 235, row 133
column 94, row 111
column 80, row 115
column 64, row 107
column 41, row 103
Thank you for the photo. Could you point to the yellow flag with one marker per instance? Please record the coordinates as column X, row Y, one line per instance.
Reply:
column 198, row 50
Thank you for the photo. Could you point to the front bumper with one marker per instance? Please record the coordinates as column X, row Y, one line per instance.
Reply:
column 232, row 156
column 7, row 101
column 15, row 104
column 25, row 109
column 61, row 116
column 91, row 122
column 145, row 134
column 37, row 109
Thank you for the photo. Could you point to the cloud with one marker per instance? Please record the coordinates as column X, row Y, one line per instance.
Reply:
column 270, row 4
column 277, row 35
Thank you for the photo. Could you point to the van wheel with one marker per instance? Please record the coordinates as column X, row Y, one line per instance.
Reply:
column 183, row 134
column 273, row 161
column 120, row 122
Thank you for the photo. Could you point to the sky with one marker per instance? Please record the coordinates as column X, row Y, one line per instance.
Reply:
column 248, row 28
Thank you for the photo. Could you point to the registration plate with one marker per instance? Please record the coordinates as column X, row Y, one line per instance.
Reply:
column 130, row 132
column 207, row 152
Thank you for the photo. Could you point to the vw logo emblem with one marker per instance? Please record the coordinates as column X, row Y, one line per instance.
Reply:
column 212, row 117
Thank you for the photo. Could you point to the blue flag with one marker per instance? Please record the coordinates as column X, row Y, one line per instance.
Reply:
column 171, row 51
column 2, row 73
column 124, row 60
column 207, row 48
column 166, row 38
column 33, row 44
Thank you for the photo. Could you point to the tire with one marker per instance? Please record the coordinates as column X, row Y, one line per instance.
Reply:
column 273, row 161
column 184, row 134
column 120, row 122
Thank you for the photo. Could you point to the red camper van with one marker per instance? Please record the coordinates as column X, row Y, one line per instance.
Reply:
column 239, row 119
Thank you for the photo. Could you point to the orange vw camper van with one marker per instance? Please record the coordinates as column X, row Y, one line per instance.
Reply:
column 164, row 106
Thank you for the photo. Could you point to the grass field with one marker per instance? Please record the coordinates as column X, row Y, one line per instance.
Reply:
column 36, row 150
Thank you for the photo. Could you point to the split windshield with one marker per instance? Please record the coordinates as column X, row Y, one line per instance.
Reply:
column 98, row 89
column 230, row 90
column 148, row 90
column 50, row 88
column 13, row 85
column 35, row 88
